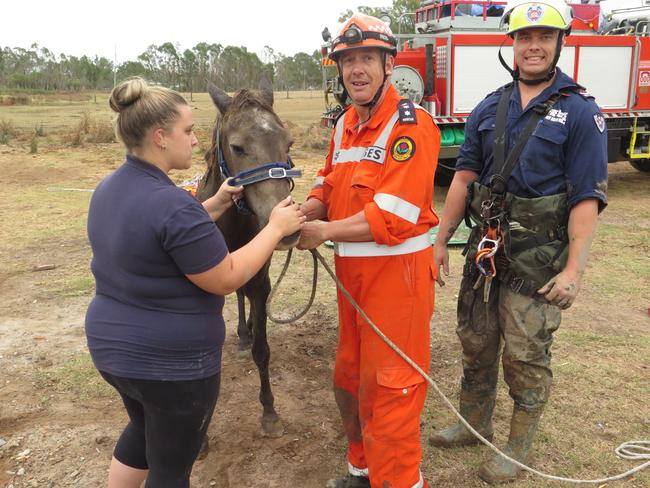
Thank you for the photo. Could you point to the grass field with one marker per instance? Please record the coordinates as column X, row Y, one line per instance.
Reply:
column 55, row 407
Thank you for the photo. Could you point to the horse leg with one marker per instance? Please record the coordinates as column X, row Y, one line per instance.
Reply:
column 243, row 327
column 259, row 292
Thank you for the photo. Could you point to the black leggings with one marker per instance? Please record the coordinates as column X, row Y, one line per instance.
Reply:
column 168, row 421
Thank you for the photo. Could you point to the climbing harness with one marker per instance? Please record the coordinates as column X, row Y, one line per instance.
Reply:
column 494, row 242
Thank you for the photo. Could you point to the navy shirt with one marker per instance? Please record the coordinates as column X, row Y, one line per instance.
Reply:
column 567, row 151
column 147, row 320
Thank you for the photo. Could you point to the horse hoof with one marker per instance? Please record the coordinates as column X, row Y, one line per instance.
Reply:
column 244, row 354
column 272, row 426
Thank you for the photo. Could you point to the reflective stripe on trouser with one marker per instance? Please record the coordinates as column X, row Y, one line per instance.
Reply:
column 379, row 395
column 527, row 327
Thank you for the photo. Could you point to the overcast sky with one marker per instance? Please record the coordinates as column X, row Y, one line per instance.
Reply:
column 77, row 27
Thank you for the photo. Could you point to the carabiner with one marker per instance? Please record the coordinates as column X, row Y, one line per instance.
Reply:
column 489, row 244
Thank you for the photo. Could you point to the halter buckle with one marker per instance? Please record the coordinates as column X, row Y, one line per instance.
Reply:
column 278, row 173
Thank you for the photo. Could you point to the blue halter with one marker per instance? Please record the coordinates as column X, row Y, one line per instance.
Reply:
column 268, row 171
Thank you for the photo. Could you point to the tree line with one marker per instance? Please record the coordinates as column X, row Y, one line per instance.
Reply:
column 189, row 70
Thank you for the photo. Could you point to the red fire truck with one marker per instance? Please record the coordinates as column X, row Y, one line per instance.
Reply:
column 451, row 63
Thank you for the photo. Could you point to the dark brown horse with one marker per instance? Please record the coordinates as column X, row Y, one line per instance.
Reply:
column 249, row 135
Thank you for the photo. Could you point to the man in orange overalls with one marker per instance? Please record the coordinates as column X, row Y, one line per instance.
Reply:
column 376, row 193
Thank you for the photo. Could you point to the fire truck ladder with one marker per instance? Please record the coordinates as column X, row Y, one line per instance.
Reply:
column 641, row 151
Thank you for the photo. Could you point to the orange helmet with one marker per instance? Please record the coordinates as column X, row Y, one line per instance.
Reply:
column 363, row 31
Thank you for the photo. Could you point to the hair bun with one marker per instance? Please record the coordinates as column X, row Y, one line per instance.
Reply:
column 127, row 93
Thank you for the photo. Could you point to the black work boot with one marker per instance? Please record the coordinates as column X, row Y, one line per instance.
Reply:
column 349, row 481
column 522, row 430
column 477, row 410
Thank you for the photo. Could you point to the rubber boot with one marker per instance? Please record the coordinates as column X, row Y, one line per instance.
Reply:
column 349, row 481
column 477, row 410
column 522, row 430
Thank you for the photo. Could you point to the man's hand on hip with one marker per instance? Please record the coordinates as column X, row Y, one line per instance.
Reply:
column 562, row 289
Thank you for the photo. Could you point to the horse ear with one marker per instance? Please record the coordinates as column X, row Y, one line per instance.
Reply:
column 266, row 88
column 220, row 98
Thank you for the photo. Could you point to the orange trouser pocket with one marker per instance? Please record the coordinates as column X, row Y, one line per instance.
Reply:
column 392, row 435
column 398, row 403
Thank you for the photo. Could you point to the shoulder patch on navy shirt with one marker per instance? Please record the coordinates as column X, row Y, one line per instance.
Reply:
column 600, row 122
column 582, row 91
column 406, row 112
column 402, row 149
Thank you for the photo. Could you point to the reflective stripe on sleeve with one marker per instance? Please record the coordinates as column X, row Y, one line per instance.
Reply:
column 397, row 206
column 361, row 249
column 318, row 181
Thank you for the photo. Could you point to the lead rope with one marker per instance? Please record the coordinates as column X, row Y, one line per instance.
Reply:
column 633, row 450
column 314, row 282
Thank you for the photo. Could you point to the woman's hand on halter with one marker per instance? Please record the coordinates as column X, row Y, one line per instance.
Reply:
column 223, row 199
column 286, row 217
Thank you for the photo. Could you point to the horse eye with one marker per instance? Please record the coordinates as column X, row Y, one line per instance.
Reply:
column 238, row 150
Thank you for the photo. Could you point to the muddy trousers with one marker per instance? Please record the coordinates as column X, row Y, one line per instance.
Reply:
column 519, row 327
column 380, row 397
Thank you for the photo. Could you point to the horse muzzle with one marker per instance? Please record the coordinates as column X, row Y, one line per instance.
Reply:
column 288, row 242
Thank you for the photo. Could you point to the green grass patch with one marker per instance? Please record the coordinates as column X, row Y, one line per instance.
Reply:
column 73, row 286
column 79, row 377
column 45, row 216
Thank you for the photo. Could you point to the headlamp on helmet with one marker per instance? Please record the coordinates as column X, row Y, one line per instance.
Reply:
column 352, row 35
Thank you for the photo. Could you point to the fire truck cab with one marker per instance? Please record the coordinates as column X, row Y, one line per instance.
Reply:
column 451, row 63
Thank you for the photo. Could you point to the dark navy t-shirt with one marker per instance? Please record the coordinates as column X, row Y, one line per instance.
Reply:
column 567, row 151
column 147, row 320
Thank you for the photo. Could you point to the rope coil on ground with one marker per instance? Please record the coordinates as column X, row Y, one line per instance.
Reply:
column 632, row 450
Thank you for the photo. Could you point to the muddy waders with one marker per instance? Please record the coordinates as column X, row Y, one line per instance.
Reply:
column 477, row 409
column 523, row 426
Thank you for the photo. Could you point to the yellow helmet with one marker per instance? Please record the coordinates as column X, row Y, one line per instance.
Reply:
column 554, row 14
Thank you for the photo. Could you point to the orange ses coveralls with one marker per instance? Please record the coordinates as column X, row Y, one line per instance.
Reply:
column 386, row 169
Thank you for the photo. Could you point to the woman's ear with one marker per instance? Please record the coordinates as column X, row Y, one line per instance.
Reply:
column 158, row 137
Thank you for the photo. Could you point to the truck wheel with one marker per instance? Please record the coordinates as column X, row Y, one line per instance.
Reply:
column 641, row 164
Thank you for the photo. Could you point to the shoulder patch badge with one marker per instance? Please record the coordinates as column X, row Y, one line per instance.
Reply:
column 402, row 149
column 600, row 122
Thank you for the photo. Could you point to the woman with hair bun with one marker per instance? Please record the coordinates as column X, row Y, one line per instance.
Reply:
column 155, row 328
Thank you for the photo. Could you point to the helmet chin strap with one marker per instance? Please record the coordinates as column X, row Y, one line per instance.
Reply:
column 535, row 81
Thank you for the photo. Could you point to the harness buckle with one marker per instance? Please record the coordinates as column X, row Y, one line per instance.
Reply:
column 516, row 284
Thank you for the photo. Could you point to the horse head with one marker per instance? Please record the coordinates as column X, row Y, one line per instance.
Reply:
column 249, row 136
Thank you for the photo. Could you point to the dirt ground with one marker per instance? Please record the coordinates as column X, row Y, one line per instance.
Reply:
column 58, row 422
